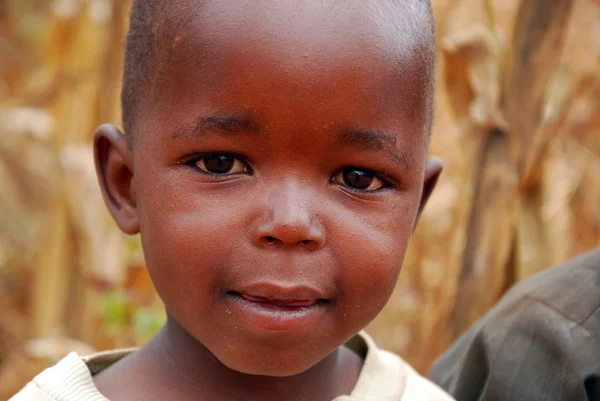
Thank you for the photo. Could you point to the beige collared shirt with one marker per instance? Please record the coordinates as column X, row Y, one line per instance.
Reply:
column 384, row 377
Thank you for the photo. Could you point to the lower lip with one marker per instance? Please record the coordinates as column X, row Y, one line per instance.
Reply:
column 273, row 317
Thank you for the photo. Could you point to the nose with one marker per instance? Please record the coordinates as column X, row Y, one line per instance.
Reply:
column 290, row 221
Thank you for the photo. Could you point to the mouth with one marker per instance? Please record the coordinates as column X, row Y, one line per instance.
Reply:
column 275, row 303
column 275, row 308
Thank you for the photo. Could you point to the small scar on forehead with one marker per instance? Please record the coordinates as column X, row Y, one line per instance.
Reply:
column 176, row 41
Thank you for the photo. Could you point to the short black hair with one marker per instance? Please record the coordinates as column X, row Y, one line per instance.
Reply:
column 140, row 50
column 141, row 38
column 152, row 21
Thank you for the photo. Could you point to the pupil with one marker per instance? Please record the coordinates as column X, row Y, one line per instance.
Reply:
column 219, row 164
column 358, row 179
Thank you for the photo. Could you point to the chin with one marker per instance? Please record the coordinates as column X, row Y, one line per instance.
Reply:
column 272, row 365
column 272, row 372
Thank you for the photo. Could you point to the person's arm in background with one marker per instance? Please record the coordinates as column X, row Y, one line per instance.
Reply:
column 540, row 343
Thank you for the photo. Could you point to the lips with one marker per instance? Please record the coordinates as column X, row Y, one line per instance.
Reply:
column 276, row 307
column 283, row 303
column 280, row 292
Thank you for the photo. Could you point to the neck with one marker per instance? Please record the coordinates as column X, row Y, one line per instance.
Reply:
column 196, row 370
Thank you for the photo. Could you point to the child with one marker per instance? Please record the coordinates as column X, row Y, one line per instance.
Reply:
column 275, row 163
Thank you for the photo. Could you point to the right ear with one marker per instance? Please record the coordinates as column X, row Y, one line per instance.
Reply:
column 114, row 168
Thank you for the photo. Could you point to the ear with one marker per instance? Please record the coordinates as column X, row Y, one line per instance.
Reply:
column 433, row 170
column 114, row 168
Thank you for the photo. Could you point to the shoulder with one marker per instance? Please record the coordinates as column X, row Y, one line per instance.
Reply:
column 568, row 293
column 70, row 379
column 542, row 339
column 391, row 378
column 560, row 305
column 419, row 388
column 563, row 288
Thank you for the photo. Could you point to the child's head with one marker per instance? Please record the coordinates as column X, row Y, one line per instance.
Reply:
column 275, row 165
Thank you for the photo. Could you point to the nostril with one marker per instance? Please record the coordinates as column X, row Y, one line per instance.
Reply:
column 271, row 240
column 305, row 242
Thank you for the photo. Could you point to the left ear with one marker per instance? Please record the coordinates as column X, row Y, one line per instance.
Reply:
column 433, row 169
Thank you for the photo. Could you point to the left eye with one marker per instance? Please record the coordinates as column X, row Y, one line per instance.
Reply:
column 221, row 164
column 359, row 179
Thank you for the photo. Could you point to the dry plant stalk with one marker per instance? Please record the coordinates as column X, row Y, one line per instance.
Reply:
column 522, row 131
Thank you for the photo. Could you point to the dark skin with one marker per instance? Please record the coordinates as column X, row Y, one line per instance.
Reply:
column 278, row 166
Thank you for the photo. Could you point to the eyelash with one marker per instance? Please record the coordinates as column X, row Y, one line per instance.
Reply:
column 194, row 160
column 385, row 180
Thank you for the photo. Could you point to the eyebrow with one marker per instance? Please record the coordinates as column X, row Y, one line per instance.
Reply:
column 205, row 125
column 367, row 139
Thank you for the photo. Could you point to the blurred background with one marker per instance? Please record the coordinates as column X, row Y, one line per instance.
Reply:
column 517, row 120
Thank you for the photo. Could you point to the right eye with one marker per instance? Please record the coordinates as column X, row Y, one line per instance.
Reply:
column 220, row 164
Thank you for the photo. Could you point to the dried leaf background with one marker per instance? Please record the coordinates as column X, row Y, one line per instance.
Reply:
column 517, row 118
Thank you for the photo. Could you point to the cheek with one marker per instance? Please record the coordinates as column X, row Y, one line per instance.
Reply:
column 187, row 239
column 371, row 248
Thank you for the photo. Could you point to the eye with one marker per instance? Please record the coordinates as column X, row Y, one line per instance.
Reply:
column 359, row 179
column 220, row 164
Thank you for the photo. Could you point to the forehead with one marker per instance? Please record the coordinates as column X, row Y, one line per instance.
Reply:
column 349, row 54
column 311, row 26
column 394, row 25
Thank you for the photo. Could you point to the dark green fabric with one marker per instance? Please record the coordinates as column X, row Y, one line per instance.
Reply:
column 541, row 342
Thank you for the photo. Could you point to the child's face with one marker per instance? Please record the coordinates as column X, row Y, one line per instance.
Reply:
column 278, row 168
